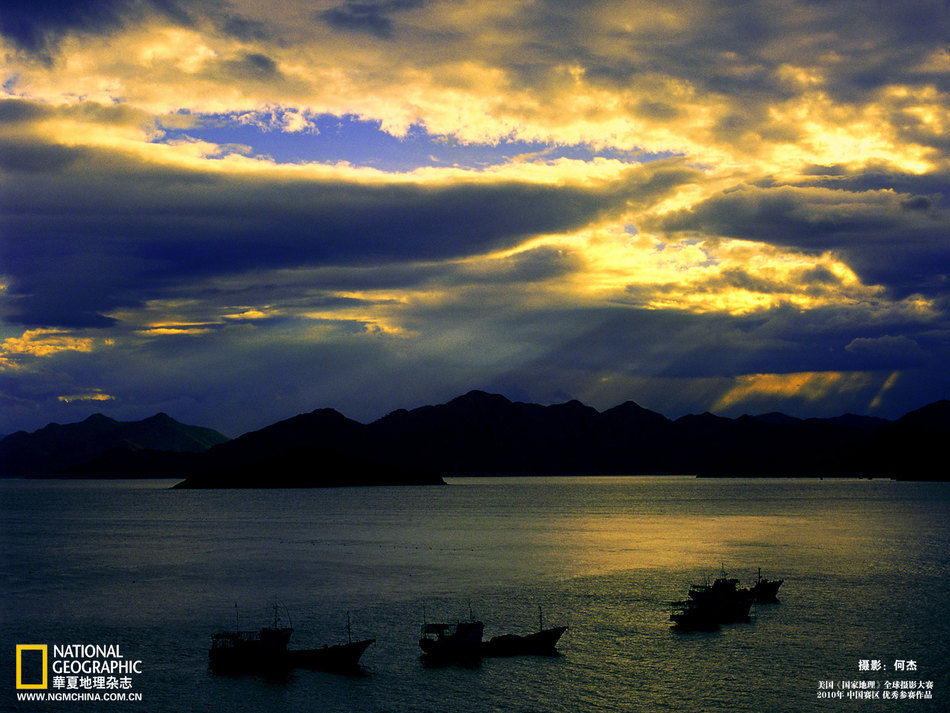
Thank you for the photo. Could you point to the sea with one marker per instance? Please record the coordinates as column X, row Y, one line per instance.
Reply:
column 863, row 621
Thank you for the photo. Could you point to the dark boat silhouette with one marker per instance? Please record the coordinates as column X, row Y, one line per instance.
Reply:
column 340, row 657
column 765, row 591
column 690, row 615
column 249, row 651
column 337, row 658
column 543, row 642
column 540, row 643
column 723, row 599
column 464, row 645
column 266, row 651
column 708, row 606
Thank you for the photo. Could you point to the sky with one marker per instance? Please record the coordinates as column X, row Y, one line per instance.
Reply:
column 236, row 211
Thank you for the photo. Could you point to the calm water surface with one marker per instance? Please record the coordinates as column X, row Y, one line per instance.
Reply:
column 866, row 567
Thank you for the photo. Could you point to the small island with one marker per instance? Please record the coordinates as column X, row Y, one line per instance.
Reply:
column 310, row 468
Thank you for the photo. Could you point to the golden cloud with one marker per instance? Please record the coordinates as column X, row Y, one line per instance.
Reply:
column 41, row 343
column 88, row 396
column 810, row 386
column 623, row 76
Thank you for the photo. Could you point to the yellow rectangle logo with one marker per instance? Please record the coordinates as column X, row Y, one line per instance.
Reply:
column 20, row 648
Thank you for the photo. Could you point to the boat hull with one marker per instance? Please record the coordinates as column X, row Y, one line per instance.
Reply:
column 248, row 651
column 450, row 651
column 540, row 643
column 765, row 591
column 342, row 657
column 689, row 617
column 266, row 652
column 464, row 646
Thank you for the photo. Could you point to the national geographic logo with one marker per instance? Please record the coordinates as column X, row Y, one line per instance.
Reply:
column 54, row 673
column 31, row 666
column 74, row 666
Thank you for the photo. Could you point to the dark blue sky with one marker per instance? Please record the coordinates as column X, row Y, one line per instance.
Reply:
column 361, row 142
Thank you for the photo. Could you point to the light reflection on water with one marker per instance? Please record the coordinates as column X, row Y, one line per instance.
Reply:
column 866, row 565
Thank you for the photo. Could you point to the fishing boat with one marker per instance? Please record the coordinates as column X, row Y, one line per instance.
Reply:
column 247, row 651
column 765, row 591
column 340, row 657
column 266, row 651
column 708, row 606
column 462, row 645
column 723, row 599
column 543, row 642
column 337, row 658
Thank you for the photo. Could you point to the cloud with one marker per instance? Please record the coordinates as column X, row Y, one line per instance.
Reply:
column 122, row 223
column 885, row 236
column 809, row 386
column 369, row 16
column 90, row 396
column 40, row 25
column 766, row 80
column 797, row 244
column 40, row 343
column 887, row 351
column 385, row 349
column 36, row 26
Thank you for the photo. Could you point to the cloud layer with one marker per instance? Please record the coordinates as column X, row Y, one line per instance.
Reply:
column 731, row 206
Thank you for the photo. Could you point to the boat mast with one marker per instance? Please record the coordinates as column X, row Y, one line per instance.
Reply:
column 540, row 619
column 349, row 635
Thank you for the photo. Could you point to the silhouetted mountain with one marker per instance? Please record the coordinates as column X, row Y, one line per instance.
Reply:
column 864, row 423
column 934, row 418
column 120, row 462
column 318, row 449
column 57, row 449
column 914, row 446
column 774, row 417
column 323, row 428
column 487, row 434
column 752, row 446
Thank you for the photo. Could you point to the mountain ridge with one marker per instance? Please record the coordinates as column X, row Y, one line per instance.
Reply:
column 480, row 433
column 62, row 448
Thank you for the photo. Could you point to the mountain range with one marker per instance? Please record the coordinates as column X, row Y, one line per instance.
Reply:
column 69, row 449
column 487, row 434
